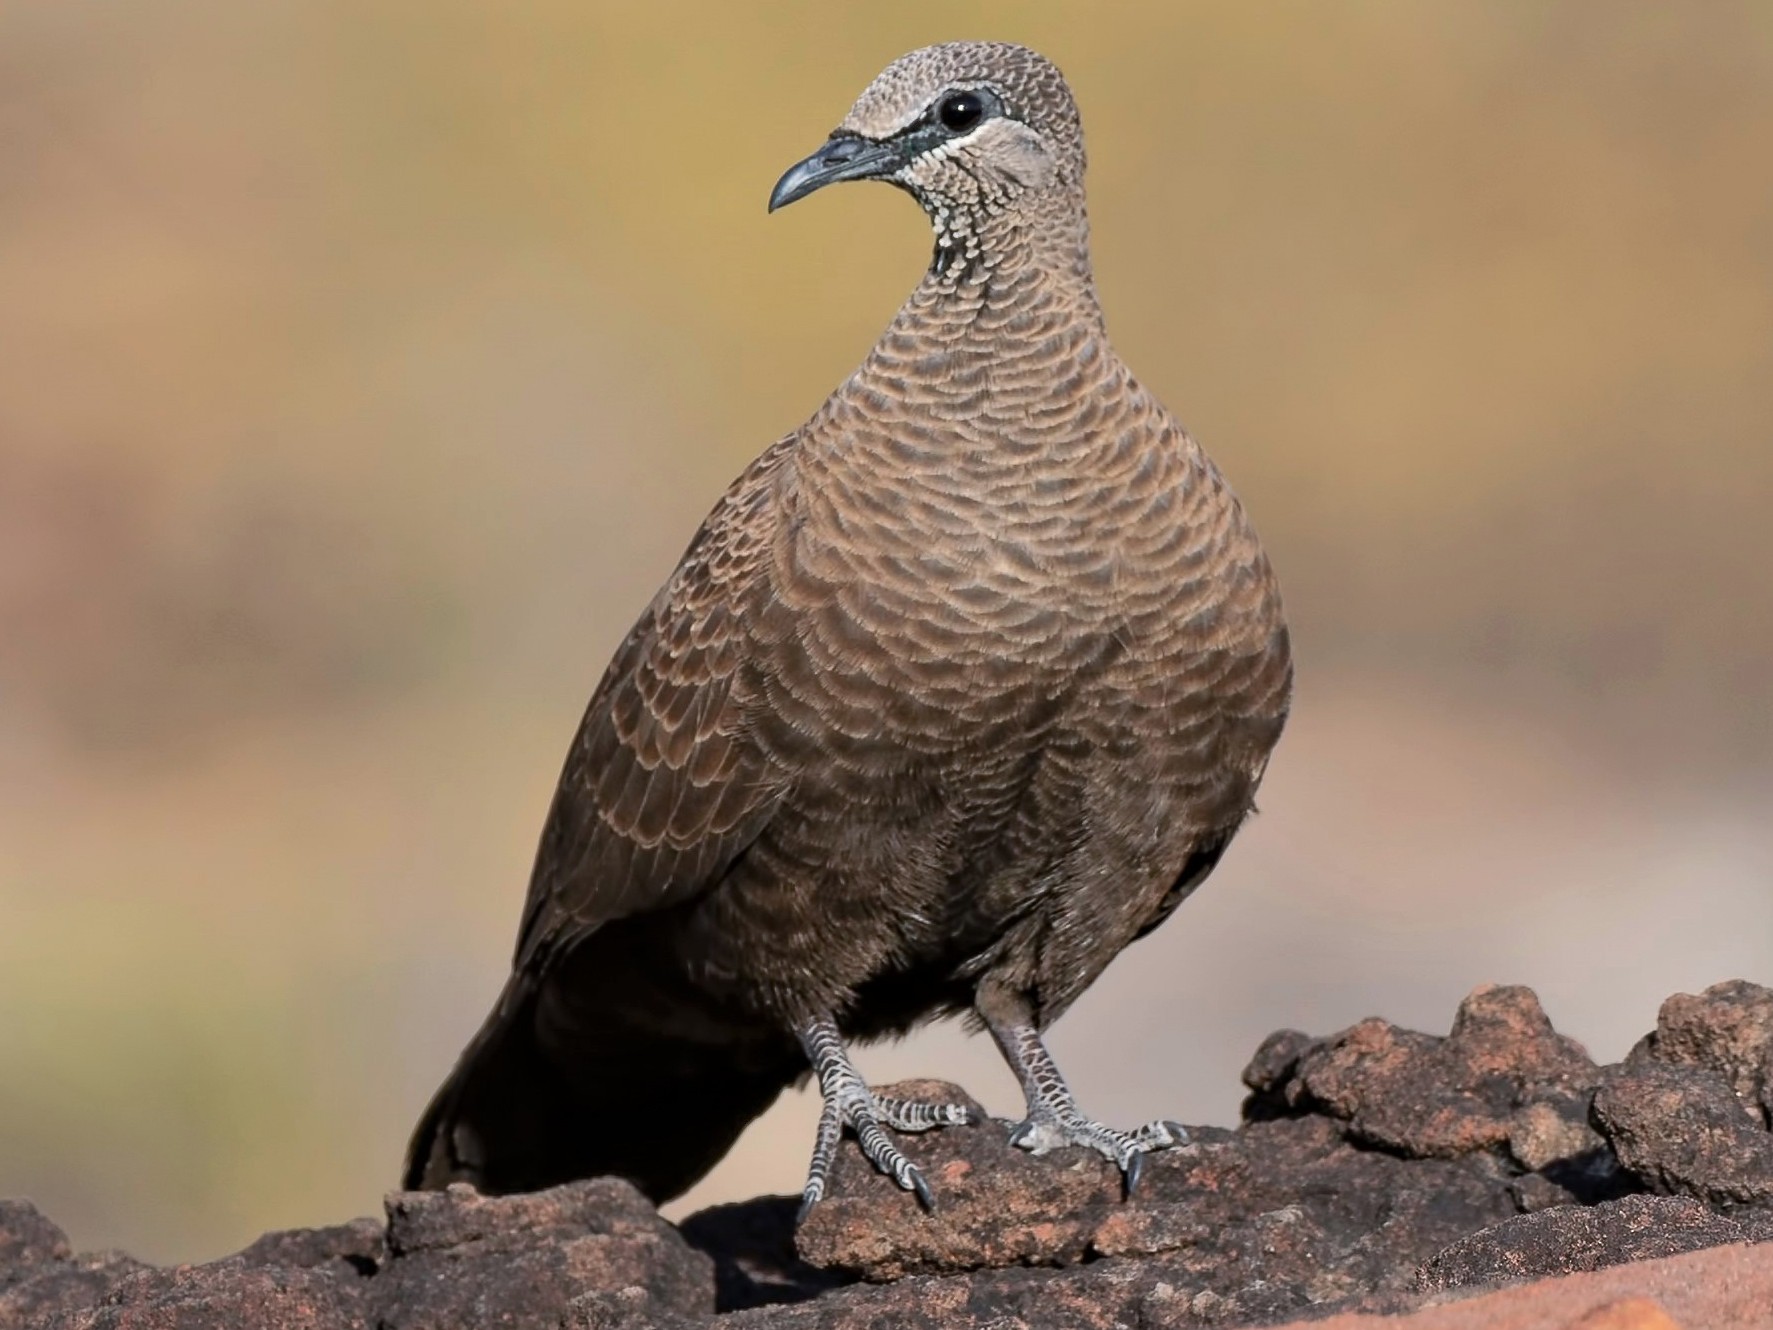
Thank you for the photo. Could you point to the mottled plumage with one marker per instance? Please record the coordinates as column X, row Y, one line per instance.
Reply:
column 962, row 687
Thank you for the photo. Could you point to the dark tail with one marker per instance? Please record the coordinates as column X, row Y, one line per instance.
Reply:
column 521, row 1112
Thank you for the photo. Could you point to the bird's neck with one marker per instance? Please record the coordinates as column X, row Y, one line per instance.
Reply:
column 1008, row 324
column 990, row 266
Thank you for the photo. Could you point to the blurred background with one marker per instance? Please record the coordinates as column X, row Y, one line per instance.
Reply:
column 364, row 366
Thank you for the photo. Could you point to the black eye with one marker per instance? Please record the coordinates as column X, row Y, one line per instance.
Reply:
column 960, row 111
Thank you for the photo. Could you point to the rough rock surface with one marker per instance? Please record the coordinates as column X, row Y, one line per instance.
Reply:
column 1565, row 1241
column 1725, row 1288
column 441, row 1260
column 1376, row 1170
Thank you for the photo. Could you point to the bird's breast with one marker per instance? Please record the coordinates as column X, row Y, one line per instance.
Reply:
column 1001, row 532
column 970, row 579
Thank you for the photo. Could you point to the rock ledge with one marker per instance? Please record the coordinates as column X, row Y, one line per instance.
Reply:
column 1378, row 1170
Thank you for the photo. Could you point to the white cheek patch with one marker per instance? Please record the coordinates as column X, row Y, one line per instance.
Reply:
column 1008, row 149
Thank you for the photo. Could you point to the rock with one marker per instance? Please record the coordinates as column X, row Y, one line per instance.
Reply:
column 1431, row 1098
column 625, row 1309
column 1275, row 1061
column 40, row 1278
column 1572, row 1238
column 1111, row 1293
column 1550, row 1131
column 356, row 1248
column 997, row 1205
column 221, row 1296
column 1728, row 1028
column 1289, row 1204
column 1627, row 1314
column 1682, row 1129
column 752, row 1247
column 459, row 1258
column 1375, row 1169
column 579, row 1254
column 1725, row 1288
column 81, row 1282
column 1501, row 1034
column 27, row 1240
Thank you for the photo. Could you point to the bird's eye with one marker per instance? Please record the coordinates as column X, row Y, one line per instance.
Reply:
column 960, row 111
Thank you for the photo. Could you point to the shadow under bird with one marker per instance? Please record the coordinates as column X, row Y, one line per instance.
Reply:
column 962, row 687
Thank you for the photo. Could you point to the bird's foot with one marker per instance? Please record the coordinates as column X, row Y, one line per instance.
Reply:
column 1053, row 1116
column 870, row 1117
column 850, row 1103
column 1050, row 1129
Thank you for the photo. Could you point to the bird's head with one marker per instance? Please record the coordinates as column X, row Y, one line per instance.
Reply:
column 971, row 129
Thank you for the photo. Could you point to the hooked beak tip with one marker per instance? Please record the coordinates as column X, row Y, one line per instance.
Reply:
column 841, row 157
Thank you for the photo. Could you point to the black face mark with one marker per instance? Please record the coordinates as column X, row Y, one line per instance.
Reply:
column 960, row 111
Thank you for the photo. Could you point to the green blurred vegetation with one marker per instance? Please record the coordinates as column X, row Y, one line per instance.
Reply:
column 363, row 366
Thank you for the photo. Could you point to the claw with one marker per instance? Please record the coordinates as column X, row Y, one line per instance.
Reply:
column 1126, row 1150
column 850, row 1103
column 925, row 1197
column 1054, row 1119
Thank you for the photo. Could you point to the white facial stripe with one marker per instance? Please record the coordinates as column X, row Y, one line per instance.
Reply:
column 916, row 111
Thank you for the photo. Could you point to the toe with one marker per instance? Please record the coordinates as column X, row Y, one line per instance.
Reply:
column 908, row 1115
column 1161, row 1135
column 1038, row 1135
column 879, row 1150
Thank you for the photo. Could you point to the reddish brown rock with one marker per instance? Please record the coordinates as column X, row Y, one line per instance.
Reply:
column 1553, row 1129
column 40, row 1277
column 1682, row 1129
column 355, row 1248
column 1271, row 1069
column 997, row 1205
column 1375, row 1168
column 755, row 1260
column 1728, row 1028
column 1433, row 1098
column 28, row 1241
column 626, row 1309
column 1287, row 1209
column 1725, row 1288
column 1573, row 1238
column 1627, row 1314
column 458, row 1258
column 208, row 1297
column 445, row 1260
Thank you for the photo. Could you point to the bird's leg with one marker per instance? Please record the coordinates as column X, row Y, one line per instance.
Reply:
column 1054, row 1118
column 850, row 1103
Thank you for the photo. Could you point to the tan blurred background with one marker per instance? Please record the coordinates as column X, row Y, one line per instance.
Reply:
column 363, row 366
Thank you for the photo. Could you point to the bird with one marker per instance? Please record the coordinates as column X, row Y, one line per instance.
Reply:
column 961, row 688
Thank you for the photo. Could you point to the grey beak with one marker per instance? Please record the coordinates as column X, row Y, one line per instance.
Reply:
column 841, row 157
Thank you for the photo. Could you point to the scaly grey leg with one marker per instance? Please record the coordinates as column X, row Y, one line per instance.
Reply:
column 850, row 1103
column 1054, row 1118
